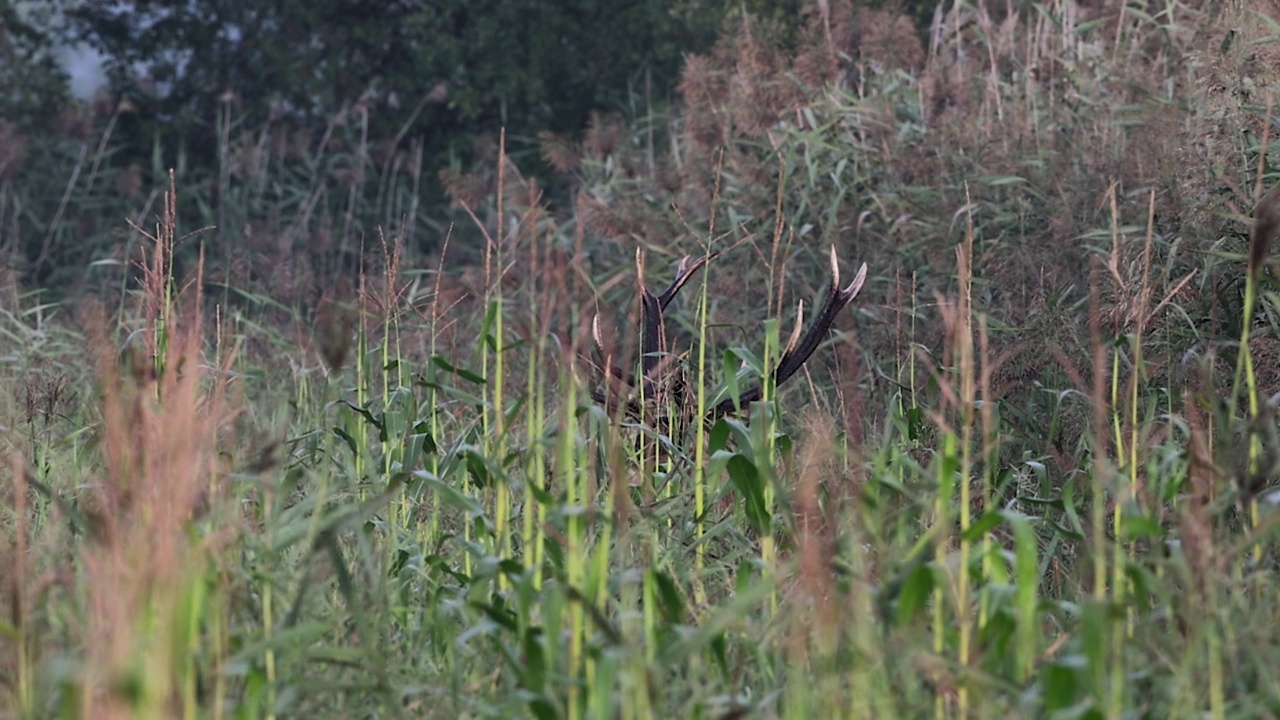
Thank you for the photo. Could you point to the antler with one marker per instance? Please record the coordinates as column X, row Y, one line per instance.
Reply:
column 799, row 349
column 652, row 327
column 653, row 335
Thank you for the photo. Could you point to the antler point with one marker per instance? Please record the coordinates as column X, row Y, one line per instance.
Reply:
column 856, row 286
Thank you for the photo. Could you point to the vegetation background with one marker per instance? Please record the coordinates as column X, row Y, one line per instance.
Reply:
column 296, row 390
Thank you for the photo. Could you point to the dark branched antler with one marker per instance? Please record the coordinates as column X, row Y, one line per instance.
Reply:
column 800, row 348
column 654, row 358
column 652, row 331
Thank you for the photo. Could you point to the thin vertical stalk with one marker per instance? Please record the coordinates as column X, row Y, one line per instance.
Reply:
column 968, row 404
column 502, row 500
column 700, row 489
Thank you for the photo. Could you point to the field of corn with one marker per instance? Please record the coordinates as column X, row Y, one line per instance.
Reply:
column 267, row 458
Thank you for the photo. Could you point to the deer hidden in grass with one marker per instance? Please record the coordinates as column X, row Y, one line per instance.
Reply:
column 662, row 385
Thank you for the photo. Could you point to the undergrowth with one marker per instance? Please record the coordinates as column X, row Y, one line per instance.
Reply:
column 1031, row 475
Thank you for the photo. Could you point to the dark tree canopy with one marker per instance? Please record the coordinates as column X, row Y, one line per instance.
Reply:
column 527, row 65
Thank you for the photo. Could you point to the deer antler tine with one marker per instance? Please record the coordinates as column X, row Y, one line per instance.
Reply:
column 595, row 334
column 795, row 331
column 682, row 274
column 684, row 270
column 603, row 356
column 597, row 340
column 855, row 287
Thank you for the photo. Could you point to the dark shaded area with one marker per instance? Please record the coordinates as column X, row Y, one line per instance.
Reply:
column 445, row 71
column 341, row 100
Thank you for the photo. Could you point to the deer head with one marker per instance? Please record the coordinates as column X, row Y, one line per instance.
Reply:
column 658, row 380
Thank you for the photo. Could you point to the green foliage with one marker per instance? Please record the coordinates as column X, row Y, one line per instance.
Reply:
column 451, row 525
column 532, row 67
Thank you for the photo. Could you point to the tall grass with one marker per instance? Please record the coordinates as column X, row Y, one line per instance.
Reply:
column 1033, row 480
